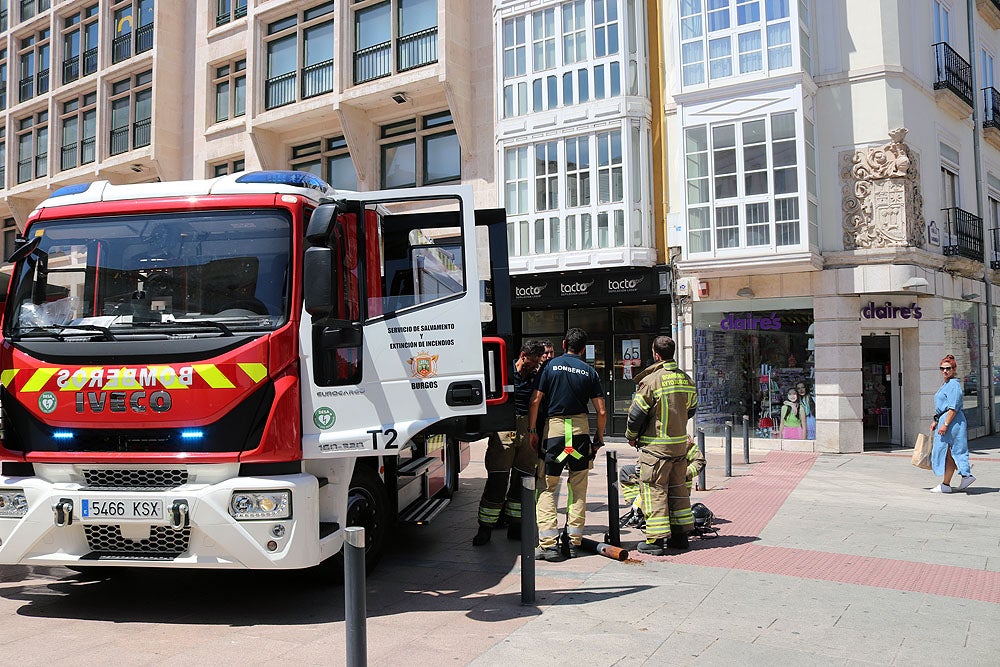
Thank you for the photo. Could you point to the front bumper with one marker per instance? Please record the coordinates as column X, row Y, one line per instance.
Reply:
column 212, row 538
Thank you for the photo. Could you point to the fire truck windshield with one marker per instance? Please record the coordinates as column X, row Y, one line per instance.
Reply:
column 175, row 273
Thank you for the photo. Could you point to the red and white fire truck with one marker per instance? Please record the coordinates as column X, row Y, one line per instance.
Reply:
column 226, row 373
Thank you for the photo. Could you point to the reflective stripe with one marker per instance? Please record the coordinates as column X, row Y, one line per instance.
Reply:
column 7, row 376
column 213, row 376
column 38, row 379
column 254, row 371
column 548, row 533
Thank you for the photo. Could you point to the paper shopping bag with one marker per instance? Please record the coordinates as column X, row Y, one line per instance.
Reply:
column 922, row 452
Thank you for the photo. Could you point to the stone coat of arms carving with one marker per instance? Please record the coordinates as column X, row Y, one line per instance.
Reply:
column 881, row 200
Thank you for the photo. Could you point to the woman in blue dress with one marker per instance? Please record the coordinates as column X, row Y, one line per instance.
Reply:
column 951, row 444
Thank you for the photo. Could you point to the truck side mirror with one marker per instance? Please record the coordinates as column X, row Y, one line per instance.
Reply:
column 317, row 287
column 321, row 222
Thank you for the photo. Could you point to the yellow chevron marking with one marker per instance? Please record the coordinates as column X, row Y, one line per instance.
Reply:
column 255, row 371
column 81, row 378
column 7, row 376
column 213, row 376
column 38, row 379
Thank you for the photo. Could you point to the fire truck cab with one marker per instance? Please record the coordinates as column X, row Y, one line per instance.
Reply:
column 226, row 373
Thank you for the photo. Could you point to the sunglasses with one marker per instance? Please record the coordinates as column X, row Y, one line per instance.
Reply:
column 946, row 368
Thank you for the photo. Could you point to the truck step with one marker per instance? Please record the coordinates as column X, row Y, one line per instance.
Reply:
column 328, row 528
column 423, row 512
column 416, row 466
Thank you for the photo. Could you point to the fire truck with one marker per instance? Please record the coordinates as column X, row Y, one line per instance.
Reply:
column 227, row 373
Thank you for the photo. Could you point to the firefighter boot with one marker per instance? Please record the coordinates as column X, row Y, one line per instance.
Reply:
column 678, row 540
column 654, row 548
column 483, row 536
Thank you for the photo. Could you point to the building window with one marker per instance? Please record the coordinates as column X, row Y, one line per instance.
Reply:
column 547, row 176
column 33, row 147
column 80, row 36
column 382, row 27
column 733, row 39
column 131, row 113
column 79, row 131
column 328, row 159
column 313, row 29
column 3, row 79
column 3, row 160
column 532, row 80
column 9, row 238
column 3, row 18
column 132, row 29
column 230, row 166
column 429, row 142
column 33, row 56
column 230, row 90
column 742, row 184
column 31, row 7
column 229, row 10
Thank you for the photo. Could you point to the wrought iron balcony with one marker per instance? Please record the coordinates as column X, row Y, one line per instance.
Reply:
column 26, row 88
column 43, row 81
column 90, row 61
column 373, row 62
column 952, row 72
column 121, row 48
column 119, row 140
column 963, row 234
column 71, row 69
column 417, row 50
column 144, row 38
column 279, row 90
column 142, row 134
column 317, row 79
column 24, row 170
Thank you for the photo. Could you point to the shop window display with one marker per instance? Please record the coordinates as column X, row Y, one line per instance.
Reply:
column 751, row 363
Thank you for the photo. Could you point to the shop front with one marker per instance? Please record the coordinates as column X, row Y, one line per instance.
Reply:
column 756, row 359
column 621, row 311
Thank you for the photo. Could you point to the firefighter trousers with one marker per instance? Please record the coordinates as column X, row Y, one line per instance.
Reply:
column 666, row 496
column 509, row 457
column 569, row 446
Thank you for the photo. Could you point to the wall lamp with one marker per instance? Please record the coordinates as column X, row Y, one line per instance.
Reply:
column 970, row 296
column 745, row 292
column 914, row 283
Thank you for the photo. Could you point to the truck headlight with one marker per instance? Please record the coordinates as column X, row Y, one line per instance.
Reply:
column 13, row 502
column 256, row 505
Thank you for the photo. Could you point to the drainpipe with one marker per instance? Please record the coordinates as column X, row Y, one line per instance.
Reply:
column 977, row 131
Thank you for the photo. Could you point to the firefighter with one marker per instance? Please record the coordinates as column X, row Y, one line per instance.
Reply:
column 665, row 398
column 509, row 455
column 628, row 480
column 567, row 383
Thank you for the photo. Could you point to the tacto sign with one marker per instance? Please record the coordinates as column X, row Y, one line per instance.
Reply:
column 530, row 291
column 624, row 285
column 575, row 288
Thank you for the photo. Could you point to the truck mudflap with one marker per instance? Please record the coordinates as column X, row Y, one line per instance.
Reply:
column 190, row 526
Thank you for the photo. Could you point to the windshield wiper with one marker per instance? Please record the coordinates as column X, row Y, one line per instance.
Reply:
column 58, row 332
column 226, row 331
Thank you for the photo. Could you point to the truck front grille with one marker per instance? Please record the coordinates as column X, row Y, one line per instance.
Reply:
column 132, row 479
column 162, row 541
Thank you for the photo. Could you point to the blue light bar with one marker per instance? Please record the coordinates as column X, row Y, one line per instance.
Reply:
column 62, row 435
column 299, row 179
column 192, row 434
column 70, row 190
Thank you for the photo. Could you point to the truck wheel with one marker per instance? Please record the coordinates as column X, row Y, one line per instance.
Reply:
column 368, row 507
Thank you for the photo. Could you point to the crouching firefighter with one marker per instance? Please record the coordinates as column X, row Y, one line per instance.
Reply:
column 664, row 400
column 509, row 455
column 628, row 482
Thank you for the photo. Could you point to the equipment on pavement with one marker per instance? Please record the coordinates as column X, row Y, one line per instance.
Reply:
column 604, row 549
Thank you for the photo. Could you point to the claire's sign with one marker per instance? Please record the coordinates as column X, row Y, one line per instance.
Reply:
column 750, row 322
column 890, row 312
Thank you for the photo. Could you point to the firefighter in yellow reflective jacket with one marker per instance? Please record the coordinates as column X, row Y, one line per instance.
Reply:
column 665, row 398
column 628, row 481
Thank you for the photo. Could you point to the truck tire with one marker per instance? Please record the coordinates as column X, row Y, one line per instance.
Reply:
column 368, row 507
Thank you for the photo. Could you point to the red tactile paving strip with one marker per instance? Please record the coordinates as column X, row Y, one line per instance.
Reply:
column 749, row 503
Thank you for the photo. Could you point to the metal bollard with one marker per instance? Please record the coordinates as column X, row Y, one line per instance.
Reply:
column 355, row 606
column 729, row 449
column 702, row 485
column 746, row 439
column 528, row 540
column 614, row 530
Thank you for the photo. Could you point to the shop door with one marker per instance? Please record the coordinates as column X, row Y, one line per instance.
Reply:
column 881, row 391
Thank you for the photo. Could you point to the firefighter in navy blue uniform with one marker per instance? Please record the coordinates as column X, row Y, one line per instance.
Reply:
column 566, row 383
column 665, row 398
column 509, row 454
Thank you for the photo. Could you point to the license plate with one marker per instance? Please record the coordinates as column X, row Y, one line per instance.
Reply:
column 122, row 509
